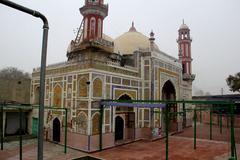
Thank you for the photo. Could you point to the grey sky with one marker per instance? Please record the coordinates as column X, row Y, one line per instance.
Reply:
column 214, row 24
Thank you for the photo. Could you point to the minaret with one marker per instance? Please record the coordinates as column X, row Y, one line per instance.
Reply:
column 152, row 39
column 94, row 12
column 185, row 57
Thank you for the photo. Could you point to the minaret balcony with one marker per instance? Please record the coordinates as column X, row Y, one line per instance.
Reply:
column 95, row 43
column 100, row 9
column 189, row 77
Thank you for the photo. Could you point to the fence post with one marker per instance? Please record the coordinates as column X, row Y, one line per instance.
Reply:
column 1, row 126
column 210, row 123
column 195, row 127
column 233, row 147
column 20, row 133
column 100, row 126
column 184, row 115
column 220, row 123
column 65, row 130
column 166, row 128
column 200, row 114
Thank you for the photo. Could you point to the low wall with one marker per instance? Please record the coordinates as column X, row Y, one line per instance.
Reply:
column 216, row 119
column 83, row 142
column 143, row 133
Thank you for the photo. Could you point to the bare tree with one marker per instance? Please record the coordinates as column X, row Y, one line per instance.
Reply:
column 13, row 73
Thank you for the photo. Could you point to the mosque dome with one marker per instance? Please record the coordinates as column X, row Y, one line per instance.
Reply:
column 184, row 26
column 130, row 41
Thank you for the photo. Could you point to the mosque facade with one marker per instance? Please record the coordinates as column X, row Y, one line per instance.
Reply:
column 130, row 67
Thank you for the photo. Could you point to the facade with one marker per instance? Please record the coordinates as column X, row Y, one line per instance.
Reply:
column 130, row 67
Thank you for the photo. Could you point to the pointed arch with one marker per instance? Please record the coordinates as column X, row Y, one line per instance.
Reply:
column 99, row 28
column 82, row 87
column 56, row 130
column 85, row 28
column 97, row 87
column 92, row 27
column 36, row 95
column 125, row 97
column 81, row 123
column 119, row 128
column 95, row 123
column 168, row 91
column 57, row 98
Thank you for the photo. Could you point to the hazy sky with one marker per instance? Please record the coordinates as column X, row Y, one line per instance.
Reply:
column 214, row 24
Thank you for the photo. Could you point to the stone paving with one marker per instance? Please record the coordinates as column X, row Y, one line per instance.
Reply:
column 51, row 151
column 180, row 148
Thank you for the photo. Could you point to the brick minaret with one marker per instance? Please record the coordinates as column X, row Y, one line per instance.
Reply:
column 184, row 44
column 94, row 12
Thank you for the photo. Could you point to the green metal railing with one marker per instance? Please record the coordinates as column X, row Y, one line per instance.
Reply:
column 211, row 105
column 20, row 109
column 168, row 114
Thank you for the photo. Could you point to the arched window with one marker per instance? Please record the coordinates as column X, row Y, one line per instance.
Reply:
column 36, row 95
column 57, row 99
column 81, row 122
column 97, row 87
column 95, row 124
column 85, row 28
column 92, row 27
column 99, row 28
column 82, row 87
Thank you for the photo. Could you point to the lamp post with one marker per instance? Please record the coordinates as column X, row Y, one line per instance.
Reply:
column 43, row 67
column 89, row 140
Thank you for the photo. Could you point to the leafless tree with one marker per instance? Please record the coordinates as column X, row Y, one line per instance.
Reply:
column 13, row 73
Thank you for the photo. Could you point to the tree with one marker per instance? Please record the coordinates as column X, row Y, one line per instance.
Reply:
column 234, row 82
column 199, row 92
column 13, row 73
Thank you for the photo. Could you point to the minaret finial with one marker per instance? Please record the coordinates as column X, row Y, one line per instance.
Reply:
column 132, row 29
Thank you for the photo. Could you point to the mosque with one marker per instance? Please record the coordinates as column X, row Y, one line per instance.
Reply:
column 129, row 67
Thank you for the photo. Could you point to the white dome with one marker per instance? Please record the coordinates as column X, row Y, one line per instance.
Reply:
column 184, row 26
column 131, row 41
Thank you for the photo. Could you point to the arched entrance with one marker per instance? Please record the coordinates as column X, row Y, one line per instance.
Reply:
column 169, row 94
column 168, row 91
column 126, row 98
column 56, row 130
column 119, row 128
column 128, row 116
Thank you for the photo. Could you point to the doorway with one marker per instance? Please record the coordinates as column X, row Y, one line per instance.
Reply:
column 119, row 128
column 56, row 130
column 169, row 94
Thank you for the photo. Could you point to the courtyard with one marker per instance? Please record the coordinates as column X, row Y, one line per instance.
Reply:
column 180, row 148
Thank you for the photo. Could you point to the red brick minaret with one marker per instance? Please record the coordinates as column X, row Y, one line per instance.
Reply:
column 94, row 12
column 184, row 44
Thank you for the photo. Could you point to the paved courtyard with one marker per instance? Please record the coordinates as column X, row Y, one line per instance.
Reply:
column 51, row 151
column 180, row 148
